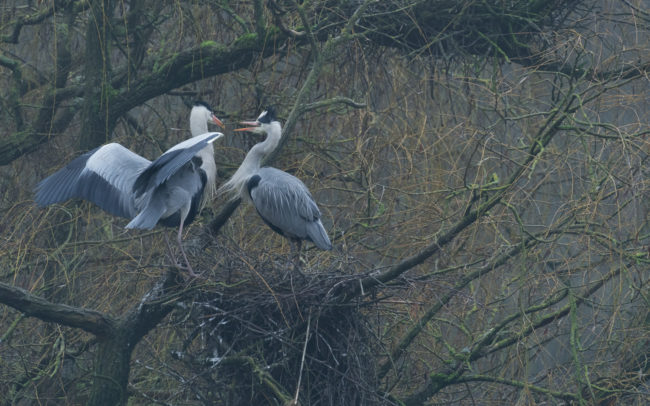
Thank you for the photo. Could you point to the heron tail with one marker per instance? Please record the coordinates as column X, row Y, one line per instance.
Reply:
column 147, row 218
column 318, row 235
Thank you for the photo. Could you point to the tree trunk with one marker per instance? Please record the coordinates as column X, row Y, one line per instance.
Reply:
column 112, row 366
column 111, row 374
column 95, row 127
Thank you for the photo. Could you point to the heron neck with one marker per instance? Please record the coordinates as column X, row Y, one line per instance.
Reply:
column 210, row 168
column 198, row 124
column 254, row 158
column 253, row 161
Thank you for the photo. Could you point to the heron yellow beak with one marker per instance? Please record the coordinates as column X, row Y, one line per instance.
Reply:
column 217, row 121
column 253, row 125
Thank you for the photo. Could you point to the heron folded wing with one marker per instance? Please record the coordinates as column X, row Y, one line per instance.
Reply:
column 284, row 201
column 170, row 162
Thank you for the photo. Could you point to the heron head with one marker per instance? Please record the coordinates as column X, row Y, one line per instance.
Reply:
column 204, row 112
column 262, row 123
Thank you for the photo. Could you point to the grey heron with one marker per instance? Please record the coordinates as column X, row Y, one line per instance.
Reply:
column 282, row 200
column 167, row 191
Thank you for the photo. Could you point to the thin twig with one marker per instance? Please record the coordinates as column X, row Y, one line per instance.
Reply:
column 302, row 361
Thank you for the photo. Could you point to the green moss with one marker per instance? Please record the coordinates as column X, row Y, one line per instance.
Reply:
column 251, row 39
column 245, row 41
column 160, row 65
column 273, row 31
column 437, row 377
column 110, row 92
column 210, row 44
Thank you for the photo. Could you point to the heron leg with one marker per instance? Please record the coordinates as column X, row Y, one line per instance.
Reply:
column 180, row 244
column 172, row 257
column 296, row 255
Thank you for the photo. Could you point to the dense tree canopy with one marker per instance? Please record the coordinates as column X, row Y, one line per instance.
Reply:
column 480, row 165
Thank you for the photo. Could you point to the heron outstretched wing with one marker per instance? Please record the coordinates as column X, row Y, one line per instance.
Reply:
column 103, row 176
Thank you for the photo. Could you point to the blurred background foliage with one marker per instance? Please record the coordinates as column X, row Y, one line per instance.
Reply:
column 481, row 167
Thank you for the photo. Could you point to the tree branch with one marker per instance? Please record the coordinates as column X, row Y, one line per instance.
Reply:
column 436, row 382
column 89, row 320
column 220, row 219
column 570, row 397
column 297, row 110
column 354, row 287
column 203, row 61
column 153, row 307
column 33, row 19
column 329, row 102
column 413, row 332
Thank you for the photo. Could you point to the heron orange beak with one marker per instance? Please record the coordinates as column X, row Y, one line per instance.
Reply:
column 217, row 121
column 253, row 125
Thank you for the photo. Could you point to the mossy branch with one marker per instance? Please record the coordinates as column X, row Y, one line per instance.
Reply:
column 548, row 318
column 437, row 382
column 19, row 23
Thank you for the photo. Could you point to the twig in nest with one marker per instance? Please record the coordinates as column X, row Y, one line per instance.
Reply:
column 302, row 361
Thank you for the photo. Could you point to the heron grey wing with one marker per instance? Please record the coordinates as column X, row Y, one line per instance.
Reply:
column 117, row 168
column 289, row 185
column 171, row 161
column 103, row 176
column 285, row 202
column 60, row 186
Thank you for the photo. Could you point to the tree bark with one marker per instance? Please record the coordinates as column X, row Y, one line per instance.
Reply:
column 116, row 337
column 89, row 320
column 95, row 126
column 112, row 360
column 112, row 368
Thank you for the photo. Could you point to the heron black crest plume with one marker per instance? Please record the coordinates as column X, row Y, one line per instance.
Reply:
column 268, row 115
column 202, row 103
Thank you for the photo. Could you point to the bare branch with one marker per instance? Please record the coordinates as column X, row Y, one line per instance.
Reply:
column 329, row 102
column 549, row 130
column 22, row 300
column 510, row 382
